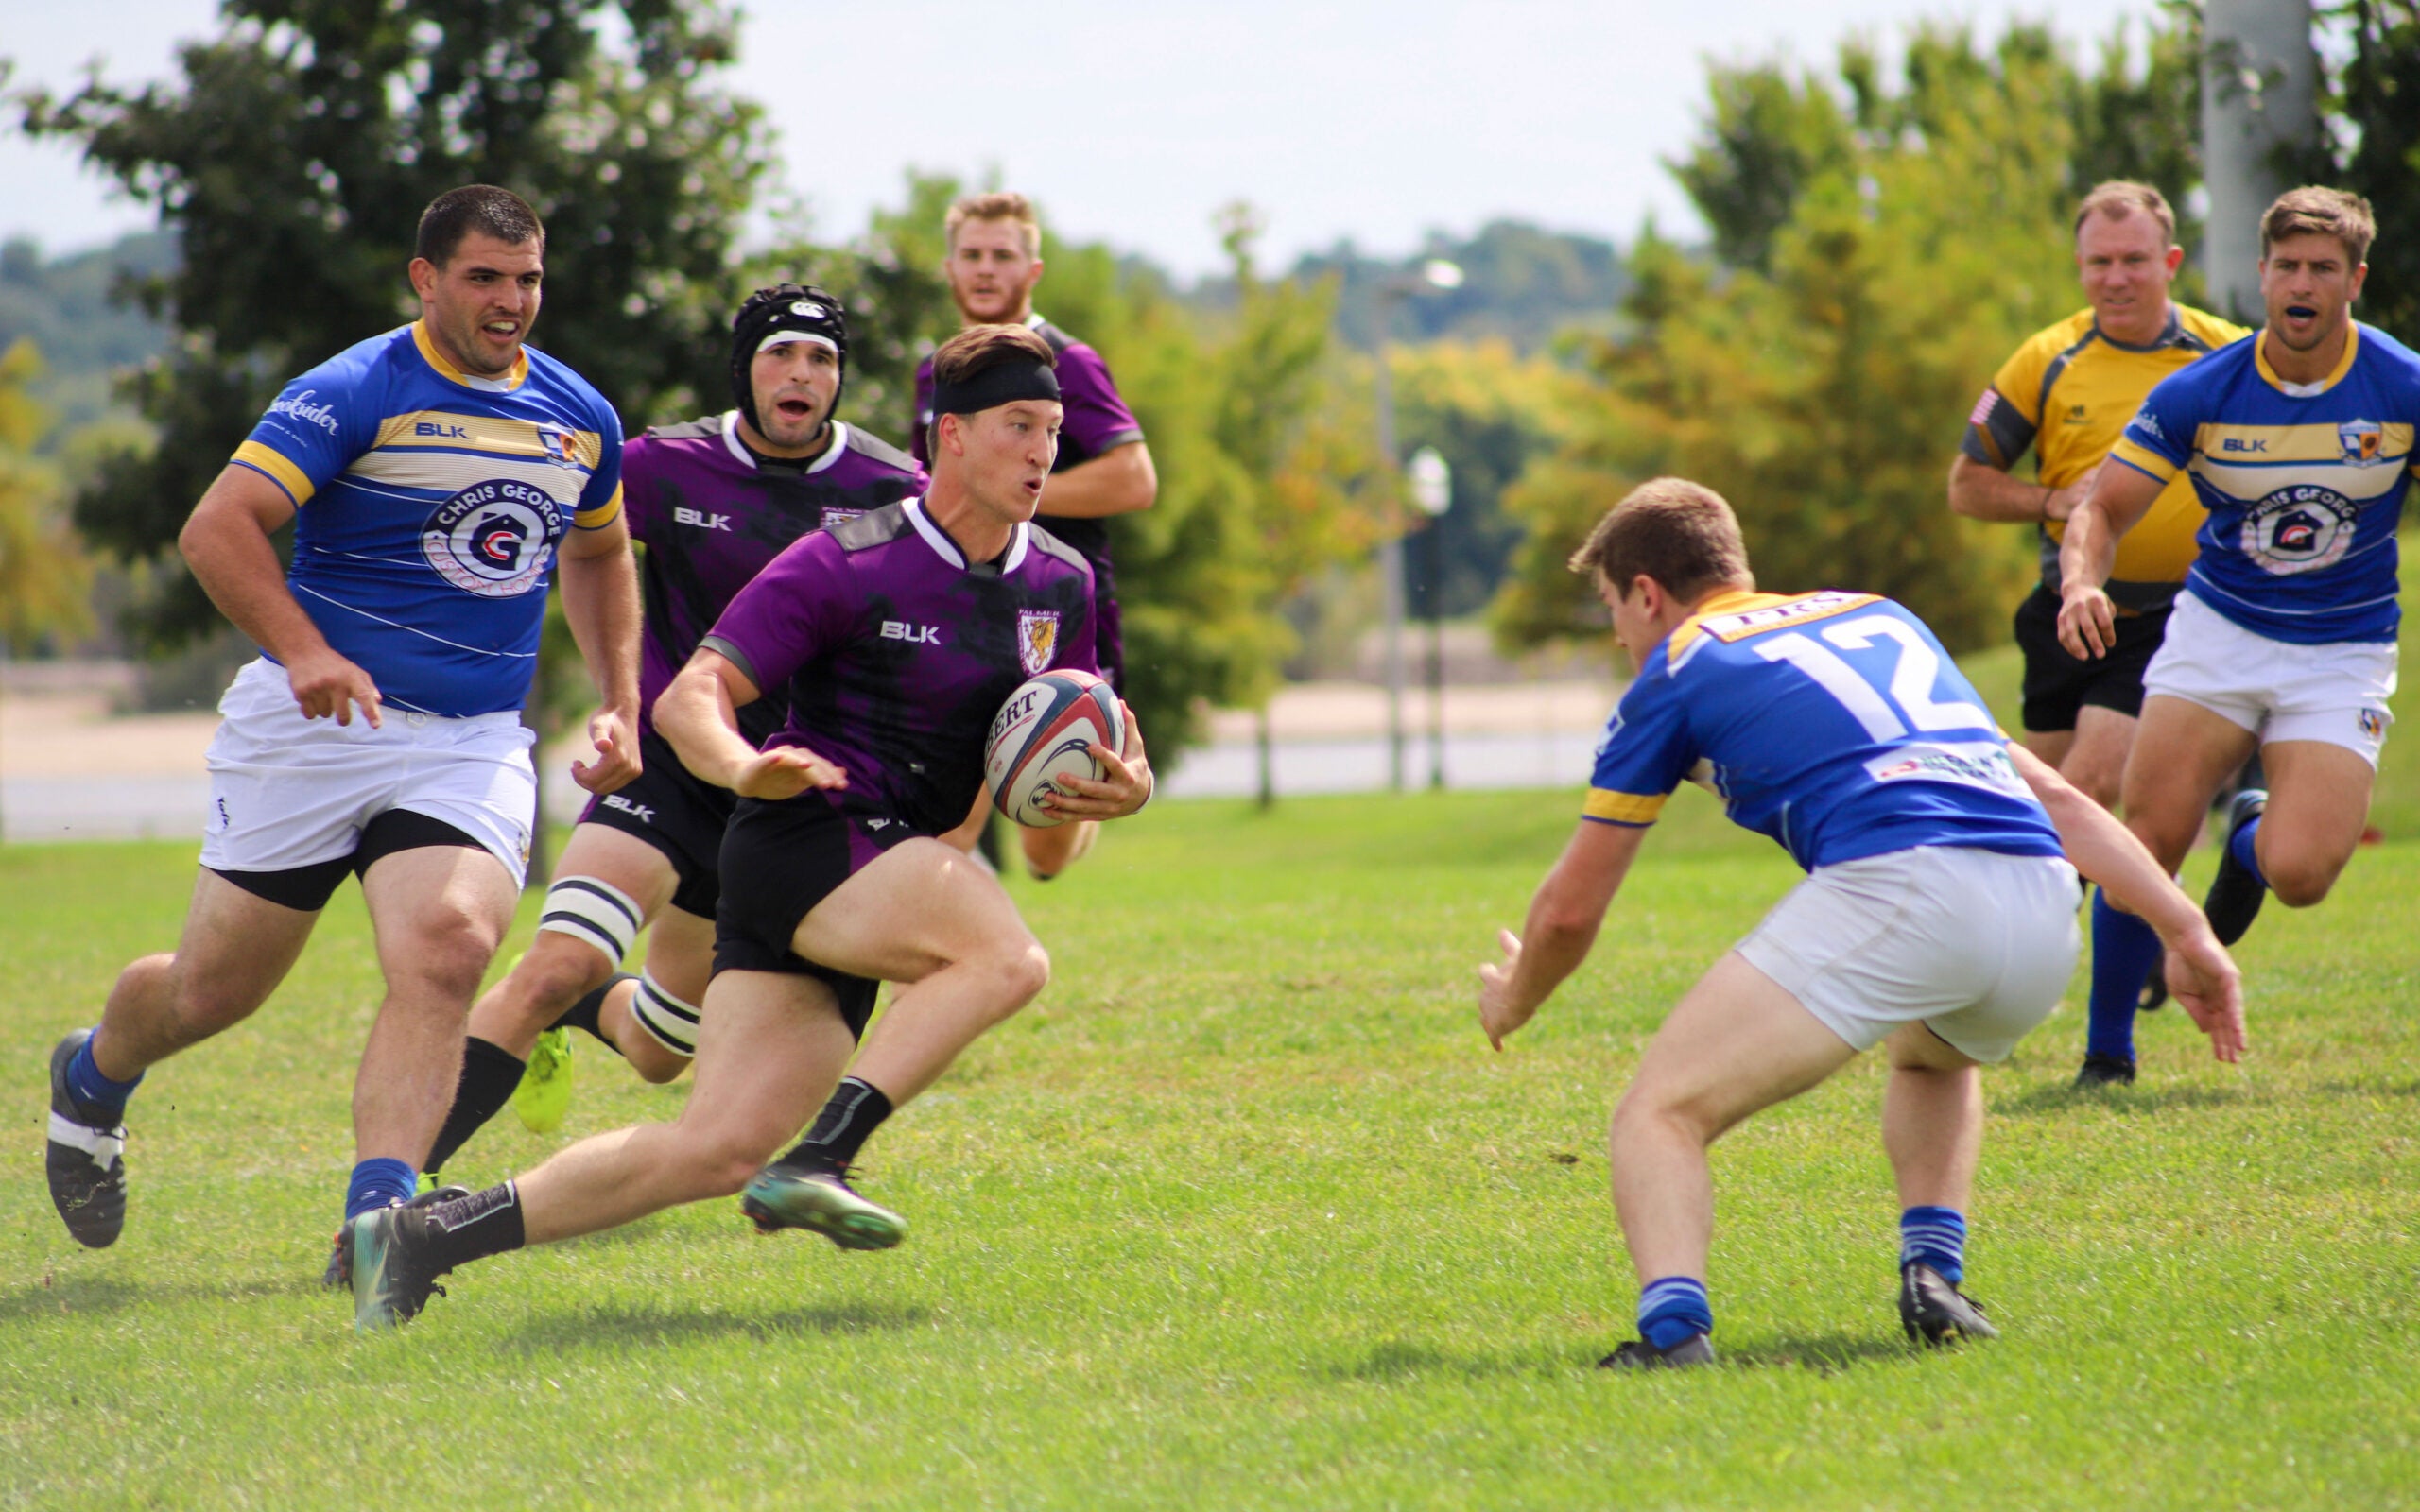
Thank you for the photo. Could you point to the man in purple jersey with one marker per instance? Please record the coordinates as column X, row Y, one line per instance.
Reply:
column 897, row 637
column 1104, row 465
column 712, row 501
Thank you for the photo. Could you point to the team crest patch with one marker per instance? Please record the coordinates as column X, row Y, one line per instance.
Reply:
column 493, row 538
column 2299, row 529
column 1037, row 638
column 562, row 448
column 2362, row 439
column 2372, row 724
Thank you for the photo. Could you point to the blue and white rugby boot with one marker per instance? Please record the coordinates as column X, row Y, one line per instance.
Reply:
column 86, row 1160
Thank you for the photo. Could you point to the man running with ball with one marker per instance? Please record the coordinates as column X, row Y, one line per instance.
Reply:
column 897, row 637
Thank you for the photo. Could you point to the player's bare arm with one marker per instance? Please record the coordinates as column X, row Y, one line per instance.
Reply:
column 1124, row 786
column 2121, row 495
column 1981, row 491
column 601, row 587
column 226, row 544
column 1119, row 481
column 699, row 714
column 2200, row 974
column 1564, row 916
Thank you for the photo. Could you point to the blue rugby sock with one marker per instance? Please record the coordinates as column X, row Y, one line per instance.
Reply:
column 1672, row 1309
column 95, row 1093
column 1935, row 1237
column 2125, row 950
column 2241, row 847
column 378, row 1183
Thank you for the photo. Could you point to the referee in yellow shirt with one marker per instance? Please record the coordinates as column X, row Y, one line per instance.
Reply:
column 2066, row 394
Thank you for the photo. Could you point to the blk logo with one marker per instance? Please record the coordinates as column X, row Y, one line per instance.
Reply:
column 445, row 433
column 637, row 811
column 2243, row 444
column 912, row 634
column 683, row 516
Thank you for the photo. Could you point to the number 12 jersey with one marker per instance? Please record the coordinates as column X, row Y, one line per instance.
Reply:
column 1833, row 722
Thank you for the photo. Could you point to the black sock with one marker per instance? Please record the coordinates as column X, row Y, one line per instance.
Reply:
column 583, row 1014
column 856, row 1109
column 490, row 1073
column 473, row 1228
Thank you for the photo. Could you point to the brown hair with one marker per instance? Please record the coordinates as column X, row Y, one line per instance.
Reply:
column 997, row 205
column 2313, row 211
column 2120, row 198
column 476, row 206
column 1679, row 533
column 982, row 346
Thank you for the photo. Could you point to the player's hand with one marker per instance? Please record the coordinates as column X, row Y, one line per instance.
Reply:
column 785, row 771
column 1499, row 1014
column 616, row 736
column 1125, row 785
column 2204, row 977
column 2088, row 621
column 325, row 685
column 2064, row 501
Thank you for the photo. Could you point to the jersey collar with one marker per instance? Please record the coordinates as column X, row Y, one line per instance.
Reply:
column 947, row 550
column 2344, row 364
column 739, row 449
column 446, row 371
column 2171, row 332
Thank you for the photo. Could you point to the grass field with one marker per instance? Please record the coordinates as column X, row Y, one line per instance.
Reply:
column 1243, row 1213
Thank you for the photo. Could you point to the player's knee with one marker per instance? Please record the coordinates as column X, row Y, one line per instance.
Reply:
column 1646, row 1114
column 553, row 975
column 655, row 1064
column 203, row 1001
column 1025, row 971
column 449, row 951
column 2299, row 881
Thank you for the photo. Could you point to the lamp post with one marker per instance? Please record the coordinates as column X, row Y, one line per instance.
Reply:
column 1435, row 274
column 1433, row 488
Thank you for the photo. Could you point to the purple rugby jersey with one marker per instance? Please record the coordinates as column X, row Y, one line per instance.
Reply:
column 1097, row 420
column 896, row 653
column 712, row 514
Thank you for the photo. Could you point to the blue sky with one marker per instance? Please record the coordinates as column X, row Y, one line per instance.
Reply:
column 1134, row 122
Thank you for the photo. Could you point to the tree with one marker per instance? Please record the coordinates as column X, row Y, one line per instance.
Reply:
column 1822, row 392
column 42, row 572
column 293, row 158
column 2375, row 102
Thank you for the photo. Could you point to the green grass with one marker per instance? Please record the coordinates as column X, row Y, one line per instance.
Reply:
column 1243, row 1213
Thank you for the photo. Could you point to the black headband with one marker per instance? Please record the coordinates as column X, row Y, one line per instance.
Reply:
column 1003, row 383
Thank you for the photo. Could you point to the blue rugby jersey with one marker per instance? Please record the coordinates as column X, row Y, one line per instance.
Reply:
column 430, row 503
column 2305, row 487
column 1832, row 722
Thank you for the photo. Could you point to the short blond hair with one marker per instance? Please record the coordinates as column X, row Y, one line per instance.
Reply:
column 2316, row 211
column 2120, row 198
column 997, row 205
column 1679, row 533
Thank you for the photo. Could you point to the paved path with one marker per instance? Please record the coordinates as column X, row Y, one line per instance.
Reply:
column 71, row 770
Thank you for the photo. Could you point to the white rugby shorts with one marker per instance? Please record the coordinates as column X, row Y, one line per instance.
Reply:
column 1973, row 943
column 287, row 790
column 2334, row 693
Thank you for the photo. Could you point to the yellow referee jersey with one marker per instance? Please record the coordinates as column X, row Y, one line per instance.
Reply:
column 2067, row 394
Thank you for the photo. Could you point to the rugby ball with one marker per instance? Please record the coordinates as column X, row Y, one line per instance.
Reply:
column 1046, row 730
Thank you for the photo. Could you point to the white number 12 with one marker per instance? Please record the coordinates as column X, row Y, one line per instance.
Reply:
column 1911, row 678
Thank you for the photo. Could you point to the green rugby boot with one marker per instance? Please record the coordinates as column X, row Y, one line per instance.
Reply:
column 784, row 1196
column 543, row 1097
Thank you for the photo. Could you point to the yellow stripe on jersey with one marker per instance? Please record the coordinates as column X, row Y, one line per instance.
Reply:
column 2344, row 365
column 428, row 351
column 490, row 434
column 603, row 515
column 2370, row 446
column 282, row 473
column 1623, row 808
column 1736, row 614
column 448, row 471
column 2151, row 462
